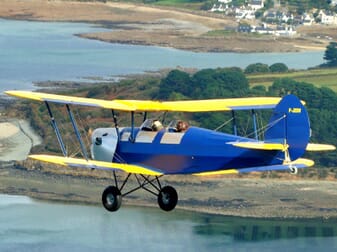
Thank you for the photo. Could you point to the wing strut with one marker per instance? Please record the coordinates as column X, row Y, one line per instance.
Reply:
column 115, row 122
column 56, row 129
column 132, row 136
column 77, row 132
column 235, row 130
column 255, row 124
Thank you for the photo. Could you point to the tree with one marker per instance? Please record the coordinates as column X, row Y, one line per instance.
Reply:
column 219, row 83
column 278, row 68
column 176, row 81
column 257, row 68
column 330, row 54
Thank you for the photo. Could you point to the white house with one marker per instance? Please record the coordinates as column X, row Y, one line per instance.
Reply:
column 285, row 31
column 256, row 4
column 308, row 19
column 328, row 18
column 243, row 13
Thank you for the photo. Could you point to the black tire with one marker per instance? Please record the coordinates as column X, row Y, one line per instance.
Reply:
column 167, row 198
column 111, row 198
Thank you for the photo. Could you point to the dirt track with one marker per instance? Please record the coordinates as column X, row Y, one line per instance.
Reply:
column 146, row 25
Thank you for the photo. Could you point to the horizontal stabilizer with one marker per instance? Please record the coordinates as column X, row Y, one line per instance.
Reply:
column 93, row 164
column 261, row 145
column 320, row 147
column 299, row 163
column 146, row 105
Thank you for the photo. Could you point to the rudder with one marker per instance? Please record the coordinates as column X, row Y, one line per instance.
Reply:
column 290, row 124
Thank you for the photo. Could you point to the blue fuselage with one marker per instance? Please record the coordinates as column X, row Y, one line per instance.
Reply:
column 196, row 150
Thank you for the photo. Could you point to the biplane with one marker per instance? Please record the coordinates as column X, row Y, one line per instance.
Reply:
column 151, row 150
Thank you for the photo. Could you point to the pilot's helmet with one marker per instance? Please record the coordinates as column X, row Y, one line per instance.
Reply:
column 156, row 125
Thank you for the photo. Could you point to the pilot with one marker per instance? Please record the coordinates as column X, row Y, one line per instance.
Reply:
column 182, row 126
column 156, row 125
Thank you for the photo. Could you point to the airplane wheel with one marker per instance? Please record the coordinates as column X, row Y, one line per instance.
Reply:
column 293, row 169
column 112, row 198
column 167, row 198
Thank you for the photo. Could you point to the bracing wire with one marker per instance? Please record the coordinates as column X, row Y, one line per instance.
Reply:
column 268, row 126
column 224, row 124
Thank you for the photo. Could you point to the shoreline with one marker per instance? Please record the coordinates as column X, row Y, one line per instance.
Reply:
column 137, row 24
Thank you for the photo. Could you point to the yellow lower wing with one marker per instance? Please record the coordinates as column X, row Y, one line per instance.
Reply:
column 93, row 164
column 320, row 147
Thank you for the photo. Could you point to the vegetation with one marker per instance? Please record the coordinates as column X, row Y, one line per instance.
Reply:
column 323, row 77
column 301, row 6
column 278, row 68
column 257, row 68
column 331, row 54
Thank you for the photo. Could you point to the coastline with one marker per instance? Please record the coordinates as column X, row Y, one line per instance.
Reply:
column 129, row 23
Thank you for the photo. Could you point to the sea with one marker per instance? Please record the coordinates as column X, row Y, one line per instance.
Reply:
column 31, row 52
column 40, row 51
column 29, row 225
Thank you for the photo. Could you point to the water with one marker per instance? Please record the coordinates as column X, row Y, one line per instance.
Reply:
column 41, row 51
column 27, row 225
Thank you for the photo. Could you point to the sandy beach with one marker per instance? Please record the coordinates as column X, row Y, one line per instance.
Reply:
column 16, row 139
column 148, row 25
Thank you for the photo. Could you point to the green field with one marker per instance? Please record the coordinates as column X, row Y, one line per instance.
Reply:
column 326, row 77
column 184, row 4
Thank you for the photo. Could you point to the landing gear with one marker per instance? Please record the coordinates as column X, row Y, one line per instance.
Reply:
column 112, row 198
column 293, row 169
column 167, row 196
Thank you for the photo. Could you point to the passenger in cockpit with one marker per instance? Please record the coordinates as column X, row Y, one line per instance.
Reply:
column 156, row 125
column 182, row 126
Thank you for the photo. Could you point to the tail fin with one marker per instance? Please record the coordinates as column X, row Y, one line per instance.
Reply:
column 290, row 125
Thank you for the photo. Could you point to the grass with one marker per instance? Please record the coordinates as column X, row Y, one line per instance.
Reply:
column 325, row 77
column 185, row 4
column 217, row 33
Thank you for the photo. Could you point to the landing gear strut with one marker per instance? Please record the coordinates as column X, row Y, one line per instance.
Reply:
column 167, row 196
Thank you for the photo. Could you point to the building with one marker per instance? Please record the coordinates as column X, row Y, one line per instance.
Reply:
column 256, row 4
column 327, row 18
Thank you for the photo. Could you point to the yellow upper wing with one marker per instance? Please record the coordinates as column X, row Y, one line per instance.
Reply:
column 138, row 105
